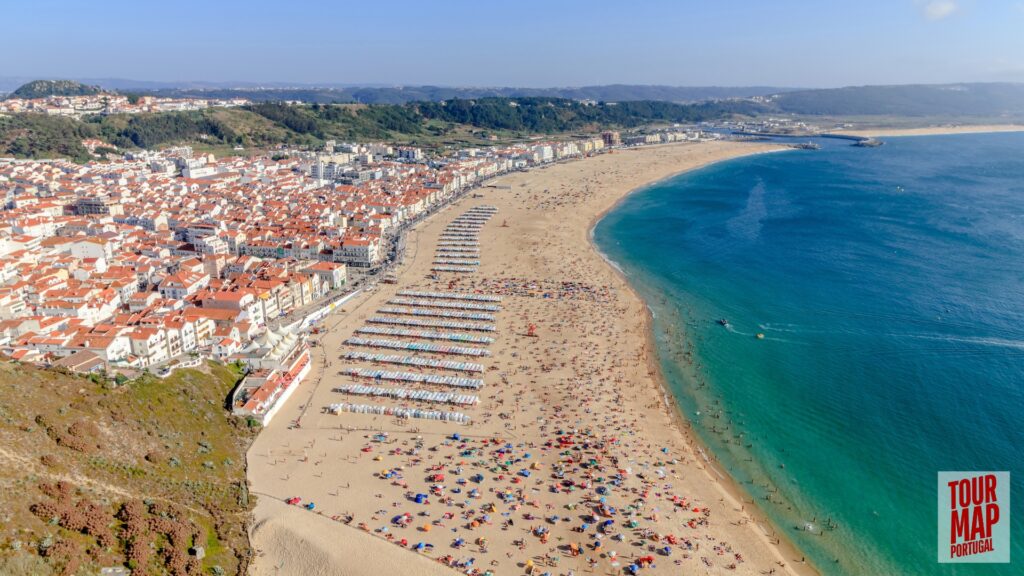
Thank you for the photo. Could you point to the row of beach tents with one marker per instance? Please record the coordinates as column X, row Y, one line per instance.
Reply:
column 417, row 346
column 426, row 334
column 460, row 256
column 408, row 394
column 415, row 361
column 451, row 381
column 426, row 323
column 437, row 313
column 440, row 303
column 450, row 296
column 340, row 407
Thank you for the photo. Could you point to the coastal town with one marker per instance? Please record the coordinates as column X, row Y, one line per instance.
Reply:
column 543, row 289
column 111, row 103
column 156, row 260
column 440, row 366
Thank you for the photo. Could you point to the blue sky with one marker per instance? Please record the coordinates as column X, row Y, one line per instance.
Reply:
column 813, row 43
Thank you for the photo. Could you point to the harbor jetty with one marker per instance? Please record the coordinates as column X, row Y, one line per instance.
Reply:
column 860, row 141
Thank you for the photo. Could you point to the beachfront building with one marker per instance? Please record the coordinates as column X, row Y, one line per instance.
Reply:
column 611, row 138
column 330, row 275
column 276, row 361
column 360, row 251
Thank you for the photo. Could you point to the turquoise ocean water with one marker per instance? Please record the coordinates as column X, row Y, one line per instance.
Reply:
column 889, row 286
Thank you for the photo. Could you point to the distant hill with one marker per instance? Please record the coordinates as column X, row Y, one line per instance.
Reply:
column 954, row 100
column 917, row 100
column 101, row 472
column 990, row 100
column 552, row 115
column 405, row 94
column 43, row 88
column 480, row 120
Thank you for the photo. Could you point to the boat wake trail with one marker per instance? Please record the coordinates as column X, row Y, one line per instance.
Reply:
column 976, row 340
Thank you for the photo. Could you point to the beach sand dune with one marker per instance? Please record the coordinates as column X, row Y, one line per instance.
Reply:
column 573, row 460
column 296, row 542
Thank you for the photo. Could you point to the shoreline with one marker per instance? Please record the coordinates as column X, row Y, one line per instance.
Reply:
column 716, row 473
column 549, row 239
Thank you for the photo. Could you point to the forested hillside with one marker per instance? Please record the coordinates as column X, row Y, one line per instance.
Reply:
column 406, row 94
column 453, row 122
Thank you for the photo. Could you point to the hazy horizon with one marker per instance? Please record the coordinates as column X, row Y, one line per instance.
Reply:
column 535, row 45
column 327, row 84
column 200, row 82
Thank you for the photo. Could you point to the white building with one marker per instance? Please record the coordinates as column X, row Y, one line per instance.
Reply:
column 277, row 361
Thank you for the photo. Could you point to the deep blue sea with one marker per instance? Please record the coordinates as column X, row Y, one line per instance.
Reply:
column 889, row 286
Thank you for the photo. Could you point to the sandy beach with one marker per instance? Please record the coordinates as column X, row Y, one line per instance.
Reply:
column 573, row 461
column 935, row 130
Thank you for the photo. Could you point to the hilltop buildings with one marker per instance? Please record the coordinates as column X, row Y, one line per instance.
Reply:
column 105, row 103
